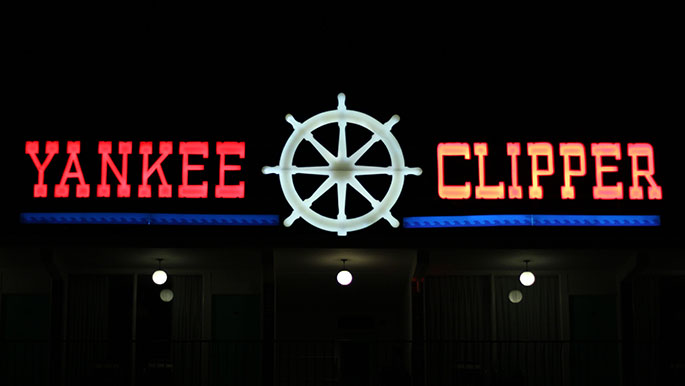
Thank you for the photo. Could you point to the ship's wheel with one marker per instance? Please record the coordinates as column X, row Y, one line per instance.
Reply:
column 342, row 170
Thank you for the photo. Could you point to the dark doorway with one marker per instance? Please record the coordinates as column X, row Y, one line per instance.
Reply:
column 153, row 333
column 236, row 346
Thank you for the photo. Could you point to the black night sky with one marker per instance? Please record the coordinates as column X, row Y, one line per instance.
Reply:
column 172, row 71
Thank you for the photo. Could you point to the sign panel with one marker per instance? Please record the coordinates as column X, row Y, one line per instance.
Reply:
column 341, row 171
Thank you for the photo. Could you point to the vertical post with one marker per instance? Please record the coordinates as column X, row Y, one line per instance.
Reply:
column 134, row 314
column 206, row 343
column 418, row 310
column 56, row 300
column 64, row 333
column 268, row 317
column 621, row 276
column 565, row 329
column 495, row 346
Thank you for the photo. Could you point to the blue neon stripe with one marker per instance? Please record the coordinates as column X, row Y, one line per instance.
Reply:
column 150, row 219
column 467, row 221
column 536, row 220
column 596, row 221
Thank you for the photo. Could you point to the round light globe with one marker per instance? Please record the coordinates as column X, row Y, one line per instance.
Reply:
column 527, row 278
column 159, row 277
column 166, row 295
column 344, row 277
column 515, row 296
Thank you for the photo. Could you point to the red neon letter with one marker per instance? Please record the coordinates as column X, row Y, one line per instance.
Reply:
column 636, row 192
column 163, row 190
column 483, row 191
column 536, row 150
column 514, row 150
column 601, row 192
column 224, row 149
column 82, row 189
column 32, row 148
column 568, row 150
column 186, row 149
column 123, row 188
column 452, row 191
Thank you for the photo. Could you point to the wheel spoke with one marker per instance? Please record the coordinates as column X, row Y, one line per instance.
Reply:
column 320, row 191
column 362, row 150
column 342, row 197
column 342, row 139
column 291, row 219
column 330, row 158
column 392, row 220
column 315, row 170
column 354, row 183
column 360, row 170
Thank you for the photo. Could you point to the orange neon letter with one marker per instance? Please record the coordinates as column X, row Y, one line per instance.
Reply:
column 32, row 149
column 82, row 189
column 452, row 191
column 536, row 150
column 229, row 191
column 483, row 191
column 600, row 191
column 186, row 149
column 164, row 189
column 568, row 150
column 636, row 192
column 514, row 150
column 123, row 188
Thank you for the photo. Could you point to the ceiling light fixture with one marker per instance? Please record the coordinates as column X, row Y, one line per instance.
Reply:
column 166, row 295
column 344, row 276
column 515, row 296
column 527, row 278
column 159, row 276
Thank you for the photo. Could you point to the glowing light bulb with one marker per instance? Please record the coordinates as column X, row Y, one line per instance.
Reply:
column 159, row 277
column 166, row 295
column 344, row 277
column 515, row 296
column 527, row 278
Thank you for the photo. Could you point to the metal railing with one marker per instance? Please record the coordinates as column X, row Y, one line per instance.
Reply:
column 339, row 362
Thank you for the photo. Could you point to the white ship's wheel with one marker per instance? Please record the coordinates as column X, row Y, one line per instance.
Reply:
column 342, row 170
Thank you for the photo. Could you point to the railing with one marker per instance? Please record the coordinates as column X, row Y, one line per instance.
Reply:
column 340, row 362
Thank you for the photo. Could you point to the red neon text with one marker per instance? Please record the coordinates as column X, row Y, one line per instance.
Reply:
column 40, row 189
column 541, row 155
column 514, row 150
column 123, row 188
column 636, row 150
column 186, row 190
column 568, row 150
column 535, row 151
column 82, row 189
column 145, row 149
column 153, row 159
column 483, row 191
column 452, row 191
column 229, row 191
column 601, row 191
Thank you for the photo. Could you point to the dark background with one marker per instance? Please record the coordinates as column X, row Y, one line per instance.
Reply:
column 173, row 71
column 151, row 71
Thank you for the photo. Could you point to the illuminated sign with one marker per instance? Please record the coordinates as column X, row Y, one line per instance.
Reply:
column 536, row 175
column 74, row 171
column 342, row 170
column 537, row 151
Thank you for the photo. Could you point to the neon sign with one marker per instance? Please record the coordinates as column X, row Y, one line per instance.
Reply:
column 537, row 151
column 342, row 170
column 74, row 171
column 534, row 171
